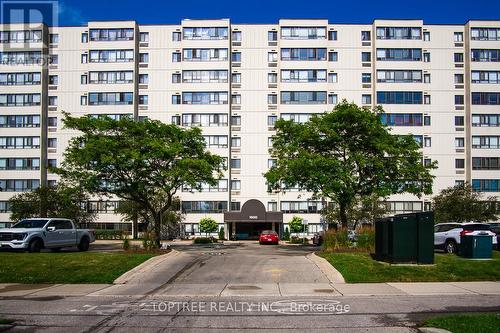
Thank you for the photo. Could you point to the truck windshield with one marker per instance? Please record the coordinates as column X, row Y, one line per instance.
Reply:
column 30, row 224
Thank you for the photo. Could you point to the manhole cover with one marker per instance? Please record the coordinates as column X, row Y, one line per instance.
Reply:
column 214, row 253
column 329, row 291
column 243, row 287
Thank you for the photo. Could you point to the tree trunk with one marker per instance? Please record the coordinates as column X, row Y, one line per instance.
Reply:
column 343, row 214
column 157, row 228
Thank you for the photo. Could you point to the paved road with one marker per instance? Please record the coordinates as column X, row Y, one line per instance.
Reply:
column 235, row 288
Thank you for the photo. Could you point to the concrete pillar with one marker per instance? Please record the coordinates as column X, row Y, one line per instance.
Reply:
column 233, row 228
column 274, row 226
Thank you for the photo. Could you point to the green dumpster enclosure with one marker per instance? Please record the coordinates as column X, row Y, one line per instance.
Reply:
column 476, row 246
column 405, row 238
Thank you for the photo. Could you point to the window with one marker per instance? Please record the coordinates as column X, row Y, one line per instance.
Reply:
column 53, row 59
column 427, row 57
column 236, row 35
column 205, row 98
column 271, row 163
column 110, row 56
column 401, row 119
column 111, row 98
column 272, row 77
column 365, row 35
column 427, row 162
column 459, row 78
column 486, row 120
column 486, row 185
column 303, row 33
column 52, row 143
column 303, row 54
column 427, row 142
column 19, row 121
column 459, row 121
column 458, row 37
column 235, row 142
column 300, row 118
column 205, row 76
column 272, row 206
column 20, row 36
column 427, row 99
column 459, row 57
column 272, row 36
column 205, row 33
column 236, row 78
column 204, row 119
column 485, row 33
column 459, row 163
column 459, row 142
column 303, row 97
column 236, row 56
column 332, row 77
column 18, row 185
column 427, row 78
column 20, row 79
column 143, row 57
column 111, row 34
column 235, row 206
column 176, row 78
column 333, row 56
column 366, row 77
column 204, row 207
column 485, row 98
column 235, row 163
column 83, row 79
column 216, row 141
column 85, row 37
column 176, row 36
column 271, row 120
column 366, row 99
column 52, row 100
column 399, row 33
column 303, row 75
column 236, row 120
column 270, row 142
column 19, row 142
column 399, row 54
column 272, row 56
column 176, row 57
column 83, row 100
column 20, row 57
column 485, row 142
column 486, row 163
column 84, row 58
column 53, row 79
column 399, row 97
column 143, row 78
column 52, row 121
column 143, row 99
column 332, row 99
column 301, row 206
column 111, row 77
column 204, row 54
column 366, row 56
column 19, row 99
column 221, row 186
column 272, row 99
column 144, row 36
column 459, row 99
column 485, row 55
column 53, row 38
column 485, row 77
column 19, row 163
column 399, row 76
column 236, row 99
column 176, row 120
column 332, row 35
column 176, row 99
column 427, row 36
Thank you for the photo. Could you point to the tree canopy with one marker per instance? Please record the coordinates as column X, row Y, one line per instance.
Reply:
column 462, row 204
column 145, row 162
column 345, row 154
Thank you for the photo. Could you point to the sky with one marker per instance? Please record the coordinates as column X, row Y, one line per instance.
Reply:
column 78, row 12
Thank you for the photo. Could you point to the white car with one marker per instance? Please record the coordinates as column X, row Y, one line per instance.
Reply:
column 447, row 235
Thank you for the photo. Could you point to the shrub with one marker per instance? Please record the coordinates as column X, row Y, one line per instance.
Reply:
column 109, row 234
column 208, row 225
column 298, row 240
column 286, row 234
column 126, row 244
column 202, row 240
column 221, row 233
column 366, row 239
column 296, row 224
column 336, row 240
column 148, row 241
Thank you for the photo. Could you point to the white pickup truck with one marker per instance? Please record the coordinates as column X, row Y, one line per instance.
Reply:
column 36, row 234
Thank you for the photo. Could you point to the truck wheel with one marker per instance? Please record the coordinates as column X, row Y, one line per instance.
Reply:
column 84, row 244
column 450, row 247
column 36, row 245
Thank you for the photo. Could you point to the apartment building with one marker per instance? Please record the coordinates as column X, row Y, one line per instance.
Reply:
column 440, row 83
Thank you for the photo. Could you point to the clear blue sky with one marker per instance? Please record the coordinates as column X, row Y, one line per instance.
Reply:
column 77, row 12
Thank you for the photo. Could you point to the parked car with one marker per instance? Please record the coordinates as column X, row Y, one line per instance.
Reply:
column 269, row 237
column 447, row 235
column 495, row 227
column 50, row 233
column 318, row 238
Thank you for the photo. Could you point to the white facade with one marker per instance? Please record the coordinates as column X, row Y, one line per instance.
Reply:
column 440, row 83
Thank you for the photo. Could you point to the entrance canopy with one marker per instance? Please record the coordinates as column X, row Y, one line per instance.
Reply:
column 253, row 211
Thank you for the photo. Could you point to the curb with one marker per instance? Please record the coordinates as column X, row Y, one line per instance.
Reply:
column 145, row 266
column 433, row 330
column 331, row 273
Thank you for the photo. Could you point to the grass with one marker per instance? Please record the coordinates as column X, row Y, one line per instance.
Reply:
column 467, row 323
column 74, row 267
column 4, row 321
column 360, row 267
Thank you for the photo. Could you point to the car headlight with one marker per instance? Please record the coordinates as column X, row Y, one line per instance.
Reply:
column 19, row 236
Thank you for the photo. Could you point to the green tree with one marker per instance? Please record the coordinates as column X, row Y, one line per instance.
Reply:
column 296, row 224
column 462, row 204
column 208, row 225
column 221, row 233
column 60, row 200
column 146, row 162
column 345, row 154
column 286, row 234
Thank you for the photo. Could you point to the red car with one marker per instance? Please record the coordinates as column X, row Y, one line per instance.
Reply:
column 269, row 237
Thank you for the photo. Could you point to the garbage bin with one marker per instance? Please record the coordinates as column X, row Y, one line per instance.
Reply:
column 476, row 246
column 425, row 237
column 382, row 238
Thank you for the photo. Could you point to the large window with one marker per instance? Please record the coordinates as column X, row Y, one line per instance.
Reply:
column 303, row 97
column 400, row 207
column 399, row 54
column 204, row 206
column 111, row 34
column 301, row 206
column 18, row 185
column 19, row 142
column 19, row 99
column 205, row 97
column 303, row 75
column 485, row 55
column 303, row 54
column 111, row 77
column 485, row 77
column 114, row 116
column 399, row 33
column 204, row 119
column 486, row 163
column 399, row 76
column 485, row 33
column 486, row 142
column 303, row 33
column 21, row 36
column 19, row 79
column 486, row 185
column 204, row 54
column 204, row 76
column 19, row 121
column 220, row 186
column 296, row 117
column 486, row 98
column 22, row 163
column 111, row 55
column 205, row 33
column 399, row 97
column 486, row 120
column 111, row 98
column 21, row 58
column 216, row 141
column 401, row 119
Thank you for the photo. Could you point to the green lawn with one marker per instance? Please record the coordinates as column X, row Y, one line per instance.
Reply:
column 360, row 267
column 73, row 267
column 467, row 323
